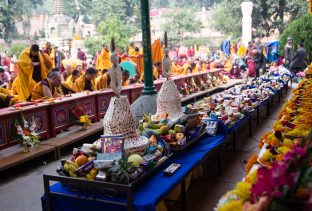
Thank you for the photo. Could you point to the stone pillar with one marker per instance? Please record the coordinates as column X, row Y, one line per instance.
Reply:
column 247, row 22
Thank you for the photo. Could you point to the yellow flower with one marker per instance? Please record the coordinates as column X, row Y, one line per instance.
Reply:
column 242, row 190
column 252, row 177
column 267, row 155
column 236, row 205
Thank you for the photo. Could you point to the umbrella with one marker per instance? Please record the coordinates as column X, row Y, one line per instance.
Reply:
column 129, row 66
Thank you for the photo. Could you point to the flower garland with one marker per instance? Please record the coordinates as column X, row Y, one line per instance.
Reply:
column 283, row 182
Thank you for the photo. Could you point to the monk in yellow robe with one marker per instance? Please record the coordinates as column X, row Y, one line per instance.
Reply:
column 47, row 88
column 131, row 49
column 125, row 78
column 187, row 66
column 48, row 62
column 157, row 51
column 157, row 73
column 103, row 61
column 31, row 70
column 102, row 81
column 199, row 67
column 138, row 59
column 241, row 52
column 175, row 68
column 227, row 65
column 72, row 78
column 5, row 101
column 86, row 82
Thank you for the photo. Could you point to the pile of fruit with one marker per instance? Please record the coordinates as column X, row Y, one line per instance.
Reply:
column 176, row 134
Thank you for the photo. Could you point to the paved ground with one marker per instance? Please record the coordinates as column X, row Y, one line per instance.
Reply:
column 22, row 187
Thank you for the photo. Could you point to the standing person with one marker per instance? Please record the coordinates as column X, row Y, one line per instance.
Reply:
column 103, row 60
column 81, row 55
column 258, row 44
column 288, row 51
column 48, row 48
column 31, row 70
column 298, row 61
column 58, row 57
column 259, row 61
column 226, row 46
column 191, row 52
column 250, row 48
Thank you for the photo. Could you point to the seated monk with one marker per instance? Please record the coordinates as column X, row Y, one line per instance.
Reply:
column 72, row 78
column 187, row 65
column 227, row 65
column 125, row 77
column 175, row 68
column 198, row 67
column 67, row 73
column 157, row 72
column 102, row 81
column 5, row 100
column 86, row 82
column 47, row 88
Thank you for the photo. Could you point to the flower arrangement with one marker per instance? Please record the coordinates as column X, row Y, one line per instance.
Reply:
column 283, row 180
column 27, row 133
column 80, row 117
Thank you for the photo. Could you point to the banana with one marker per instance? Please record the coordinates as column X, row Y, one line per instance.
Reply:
column 152, row 124
column 69, row 162
column 72, row 174
column 92, row 174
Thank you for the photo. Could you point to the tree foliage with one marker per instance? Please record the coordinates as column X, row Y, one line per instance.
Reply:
column 93, row 45
column 10, row 11
column 267, row 16
column 301, row 31
column 16, row 49
column 114, row 27
column 180, row 22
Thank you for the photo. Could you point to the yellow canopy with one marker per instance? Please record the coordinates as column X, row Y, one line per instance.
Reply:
column 73, row 62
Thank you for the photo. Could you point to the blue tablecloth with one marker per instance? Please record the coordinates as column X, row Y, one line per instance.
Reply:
column 148, row 194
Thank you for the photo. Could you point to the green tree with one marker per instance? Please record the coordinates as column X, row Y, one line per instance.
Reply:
column 267, row 16
column 16, row 49
column 93, row 45
column 301, row 31
column 180, row 22
column 12, row 11
column 114, row 27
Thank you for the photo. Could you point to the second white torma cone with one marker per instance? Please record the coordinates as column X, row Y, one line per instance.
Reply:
column 120, row 120
column 169, row 101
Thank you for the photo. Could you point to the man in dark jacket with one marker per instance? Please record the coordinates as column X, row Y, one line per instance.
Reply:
column 298, row 62
column 288, row 51
column 259, row 61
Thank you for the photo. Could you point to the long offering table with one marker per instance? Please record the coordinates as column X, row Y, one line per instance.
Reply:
column 53, row 118
column 149, row 194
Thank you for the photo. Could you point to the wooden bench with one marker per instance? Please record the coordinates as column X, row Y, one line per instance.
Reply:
column 20, row 157
column 75, row 135
column 14, row 155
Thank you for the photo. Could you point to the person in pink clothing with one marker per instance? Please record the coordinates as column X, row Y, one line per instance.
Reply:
column 251, row 68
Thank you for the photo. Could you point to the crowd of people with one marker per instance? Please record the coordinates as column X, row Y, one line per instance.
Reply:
column 38, row 74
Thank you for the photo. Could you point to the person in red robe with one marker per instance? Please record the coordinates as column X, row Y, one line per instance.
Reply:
column 81, row 55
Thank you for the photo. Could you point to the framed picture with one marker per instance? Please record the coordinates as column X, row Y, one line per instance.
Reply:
column 112, row 147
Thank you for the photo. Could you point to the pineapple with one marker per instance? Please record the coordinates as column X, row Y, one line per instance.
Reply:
column 120, row 171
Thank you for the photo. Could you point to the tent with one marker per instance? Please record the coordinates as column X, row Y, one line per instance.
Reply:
column 272, row 51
